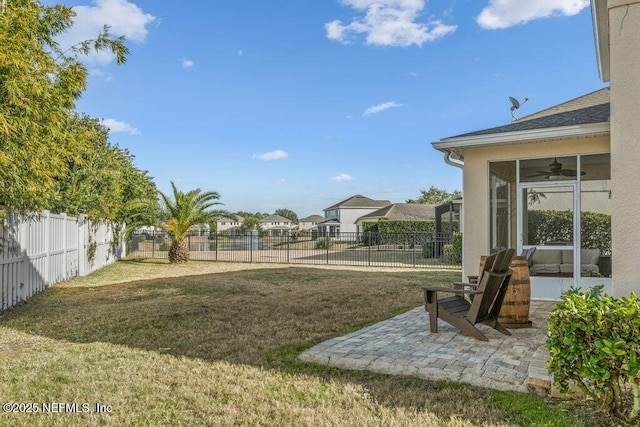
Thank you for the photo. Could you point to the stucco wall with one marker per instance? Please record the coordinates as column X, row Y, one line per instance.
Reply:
column 348, row 217
column 476, row 185
column 624, row 40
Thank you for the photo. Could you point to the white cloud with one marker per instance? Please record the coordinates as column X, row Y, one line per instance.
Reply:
column 507, row 13
column 381, row 107
column 272, row 155
column 388, row 23
column 342, row 177
column 187, row 63
column 118, row 126
column 240, row 53
column 125, row 19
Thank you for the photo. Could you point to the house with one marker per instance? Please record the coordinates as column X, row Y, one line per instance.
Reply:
column 341, row 217
column 572, row 162
column 400, row 212
column 310, row 223
column 230, row 226
column 276, row 225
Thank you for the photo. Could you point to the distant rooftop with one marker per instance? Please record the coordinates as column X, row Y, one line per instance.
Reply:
column 404, row 212
column 359, row 201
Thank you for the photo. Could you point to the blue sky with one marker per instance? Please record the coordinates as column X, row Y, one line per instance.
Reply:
column 299, row 104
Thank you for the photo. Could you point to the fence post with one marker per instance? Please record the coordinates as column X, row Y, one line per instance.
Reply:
column 47, row 238
column 153, row 244
column 328, row 241
column 413, row 252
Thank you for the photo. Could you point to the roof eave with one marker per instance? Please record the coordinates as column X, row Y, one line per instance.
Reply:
column 521, row 137
column 600, row 16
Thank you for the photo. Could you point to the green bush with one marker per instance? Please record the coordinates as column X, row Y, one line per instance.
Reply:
column 324, row 243
column 595, row 345
column 447, row 251
column 164, row 246
column 595, row 228
column 384, row 232
column 456, row 242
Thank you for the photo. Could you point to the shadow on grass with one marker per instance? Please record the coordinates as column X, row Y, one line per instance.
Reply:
column 262, row 317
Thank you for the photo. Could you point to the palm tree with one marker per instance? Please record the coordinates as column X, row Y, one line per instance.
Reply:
column 182, row 212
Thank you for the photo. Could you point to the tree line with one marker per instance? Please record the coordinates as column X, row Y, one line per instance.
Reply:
column 52, row 157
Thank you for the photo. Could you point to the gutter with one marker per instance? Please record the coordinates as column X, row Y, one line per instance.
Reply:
column 453, row 158
column 451, row 145
column 600, row 18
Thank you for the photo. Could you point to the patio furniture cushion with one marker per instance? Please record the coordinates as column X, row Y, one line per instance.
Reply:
column 560, row 261
column 587, row 256
column 546, row 262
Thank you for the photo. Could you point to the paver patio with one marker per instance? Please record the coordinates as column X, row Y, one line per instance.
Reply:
column 403, row 345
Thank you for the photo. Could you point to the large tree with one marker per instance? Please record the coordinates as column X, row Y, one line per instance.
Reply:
column 251, row 221
column 39, row 84
column 289, row 214
column 435, row 196
column 102, row 179
column 180, row 213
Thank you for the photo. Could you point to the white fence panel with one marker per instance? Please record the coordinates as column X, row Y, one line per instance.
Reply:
column 40, row 251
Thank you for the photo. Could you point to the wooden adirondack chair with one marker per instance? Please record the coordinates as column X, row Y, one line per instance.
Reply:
column 485, row 306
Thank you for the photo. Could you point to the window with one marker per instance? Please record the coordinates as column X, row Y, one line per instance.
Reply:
column 502, row 196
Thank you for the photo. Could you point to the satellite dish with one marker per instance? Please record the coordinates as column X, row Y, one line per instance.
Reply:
column 515, row 104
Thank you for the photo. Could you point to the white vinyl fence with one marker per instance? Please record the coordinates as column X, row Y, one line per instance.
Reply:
column 45, row 249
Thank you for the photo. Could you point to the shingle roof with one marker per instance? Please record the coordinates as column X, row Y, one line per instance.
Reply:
column 359, row 201
column 588, row 109
column 275, row 218
column 312, row 218
column 404, row 212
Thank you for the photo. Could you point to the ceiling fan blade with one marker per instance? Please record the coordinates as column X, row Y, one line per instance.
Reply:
column 539, row 173
column 571, row 172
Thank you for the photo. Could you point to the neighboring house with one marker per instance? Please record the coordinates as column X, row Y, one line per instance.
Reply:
column 580, row 157
column 230, row 226
column 310, row 223
column 276, row 225
column 400, row 212
column 341, row 217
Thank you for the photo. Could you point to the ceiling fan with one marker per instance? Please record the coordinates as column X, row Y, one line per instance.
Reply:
column 556, row 172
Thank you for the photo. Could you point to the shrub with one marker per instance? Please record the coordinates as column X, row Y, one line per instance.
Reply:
column 448, row 252
column 595, row 228
column 386, row 231
column 142, row 237
column 164, row 246
column 324, row 243
column 595, row 345
column 456, row 242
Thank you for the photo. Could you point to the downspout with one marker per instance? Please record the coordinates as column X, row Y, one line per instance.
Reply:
column 453, row 158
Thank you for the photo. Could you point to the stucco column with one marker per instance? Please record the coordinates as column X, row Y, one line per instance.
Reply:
column 476, row 211
column 624, row 38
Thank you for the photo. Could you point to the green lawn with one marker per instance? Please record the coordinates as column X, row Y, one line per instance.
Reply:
column 191, row 347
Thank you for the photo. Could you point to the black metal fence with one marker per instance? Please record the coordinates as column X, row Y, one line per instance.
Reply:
column 357, row 249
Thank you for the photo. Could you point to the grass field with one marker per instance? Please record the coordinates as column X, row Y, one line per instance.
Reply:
column 216, row 344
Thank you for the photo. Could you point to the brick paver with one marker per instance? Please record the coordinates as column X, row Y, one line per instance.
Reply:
column 403, row 345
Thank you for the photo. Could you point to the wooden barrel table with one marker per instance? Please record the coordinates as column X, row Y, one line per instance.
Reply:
column 517, row 300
